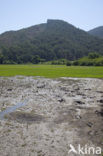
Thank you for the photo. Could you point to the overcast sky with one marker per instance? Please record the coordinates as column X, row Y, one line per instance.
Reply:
column 17, row 14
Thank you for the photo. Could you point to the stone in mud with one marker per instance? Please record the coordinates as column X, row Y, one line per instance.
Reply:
column 89, row 124
column 78, row 117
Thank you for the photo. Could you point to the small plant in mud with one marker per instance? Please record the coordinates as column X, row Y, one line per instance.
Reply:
column 23, row 145
column 9, row 130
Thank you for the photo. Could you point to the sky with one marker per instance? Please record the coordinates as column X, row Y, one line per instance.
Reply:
column 18, row 14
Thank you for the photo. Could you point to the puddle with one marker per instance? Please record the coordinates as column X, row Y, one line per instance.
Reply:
column 12, row 109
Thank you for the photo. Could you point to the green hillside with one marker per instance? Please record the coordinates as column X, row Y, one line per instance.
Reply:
column 53, row 40
column 98, row 32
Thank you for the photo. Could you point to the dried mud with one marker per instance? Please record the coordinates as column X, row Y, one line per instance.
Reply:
column 59, row 112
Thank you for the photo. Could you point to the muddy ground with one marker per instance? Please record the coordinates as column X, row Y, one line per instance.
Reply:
column 58, row 113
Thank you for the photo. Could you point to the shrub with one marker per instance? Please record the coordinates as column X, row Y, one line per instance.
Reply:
column 68, row 63
column 83, row 63
column 98, row 63
column 90, row 63
column 76, row 63
column 9, row 62
column 59, row 62
column 93, row 55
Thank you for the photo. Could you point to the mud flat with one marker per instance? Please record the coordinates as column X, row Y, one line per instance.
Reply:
column 59, row 112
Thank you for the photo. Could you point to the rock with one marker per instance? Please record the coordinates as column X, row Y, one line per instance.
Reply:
column 89, row 124
column 78, row 117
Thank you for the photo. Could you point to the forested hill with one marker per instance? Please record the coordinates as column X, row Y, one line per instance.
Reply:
column 52, row 40
column 97, row 32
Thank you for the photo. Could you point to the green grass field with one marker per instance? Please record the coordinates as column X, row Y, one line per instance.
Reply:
column 51, row 71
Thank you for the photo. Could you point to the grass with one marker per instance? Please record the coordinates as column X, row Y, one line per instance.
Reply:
column 51, row 71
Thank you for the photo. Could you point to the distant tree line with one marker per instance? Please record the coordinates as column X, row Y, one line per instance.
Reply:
column 93, row 59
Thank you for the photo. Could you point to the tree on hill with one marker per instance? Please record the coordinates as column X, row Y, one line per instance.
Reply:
column 1, row 58
column 93, row 55
column 35, row 59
